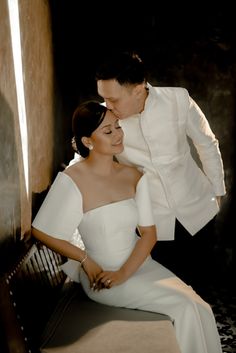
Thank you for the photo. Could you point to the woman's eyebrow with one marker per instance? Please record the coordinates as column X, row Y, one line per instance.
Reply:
column 108, row 125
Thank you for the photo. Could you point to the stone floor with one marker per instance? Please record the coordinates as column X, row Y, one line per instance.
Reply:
column 223, row 302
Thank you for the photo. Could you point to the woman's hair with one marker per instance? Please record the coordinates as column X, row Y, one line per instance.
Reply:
column 86, row 119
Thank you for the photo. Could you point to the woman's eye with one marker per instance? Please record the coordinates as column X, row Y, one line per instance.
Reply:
column 108, row 132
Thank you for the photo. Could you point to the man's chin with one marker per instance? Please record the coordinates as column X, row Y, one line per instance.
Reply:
column 116, row 114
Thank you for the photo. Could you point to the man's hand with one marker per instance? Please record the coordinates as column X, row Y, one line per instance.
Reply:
column 218, row 199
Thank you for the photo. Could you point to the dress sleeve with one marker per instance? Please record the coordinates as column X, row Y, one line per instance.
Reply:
column 61, row 211
column 143, row 202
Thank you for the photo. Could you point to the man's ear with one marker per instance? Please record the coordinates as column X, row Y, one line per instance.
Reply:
column 139, row 88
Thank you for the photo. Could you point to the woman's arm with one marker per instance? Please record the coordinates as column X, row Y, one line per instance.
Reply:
column 60, row 246
column 142, row 249
column 71, row 251
column 139, row 254
column 57, row 219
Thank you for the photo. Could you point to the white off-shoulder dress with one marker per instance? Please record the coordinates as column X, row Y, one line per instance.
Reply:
column 109, row 236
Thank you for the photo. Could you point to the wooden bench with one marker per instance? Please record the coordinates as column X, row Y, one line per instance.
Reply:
column 29, row 293
column 44, row 312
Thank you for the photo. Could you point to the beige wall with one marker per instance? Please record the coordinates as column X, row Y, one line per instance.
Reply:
column 10, row 170
column 36, row 42
column 38, row 70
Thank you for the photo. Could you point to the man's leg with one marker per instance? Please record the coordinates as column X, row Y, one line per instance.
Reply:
column 189, row 257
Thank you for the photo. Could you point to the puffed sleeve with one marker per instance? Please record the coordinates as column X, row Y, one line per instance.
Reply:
column 143, row 202
column 61, row 211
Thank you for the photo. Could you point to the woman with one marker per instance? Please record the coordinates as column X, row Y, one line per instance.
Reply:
column 106, row 201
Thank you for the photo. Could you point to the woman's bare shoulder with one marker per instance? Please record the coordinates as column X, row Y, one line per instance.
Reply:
column 75, row 170
column 131, row 171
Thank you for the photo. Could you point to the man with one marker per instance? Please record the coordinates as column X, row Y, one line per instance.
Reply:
column 160, row 124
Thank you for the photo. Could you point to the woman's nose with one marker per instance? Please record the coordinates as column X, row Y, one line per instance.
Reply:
column 120, row 132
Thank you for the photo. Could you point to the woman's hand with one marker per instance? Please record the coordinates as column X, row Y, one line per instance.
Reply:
column 142, row 249
column 108, row 279
column 92, row 270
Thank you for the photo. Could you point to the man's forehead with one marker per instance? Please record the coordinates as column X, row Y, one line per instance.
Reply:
column 110, row 89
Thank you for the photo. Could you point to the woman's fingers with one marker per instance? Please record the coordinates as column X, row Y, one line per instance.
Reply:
column 103, row 280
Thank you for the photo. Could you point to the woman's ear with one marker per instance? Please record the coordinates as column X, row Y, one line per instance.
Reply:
column 87, row 142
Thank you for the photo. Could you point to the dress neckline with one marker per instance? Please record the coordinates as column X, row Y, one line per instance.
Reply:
column 108, row 204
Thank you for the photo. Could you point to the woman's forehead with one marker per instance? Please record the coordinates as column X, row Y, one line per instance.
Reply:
column 109, row 118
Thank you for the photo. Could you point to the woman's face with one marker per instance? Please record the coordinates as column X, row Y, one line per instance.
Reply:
column 108, row 137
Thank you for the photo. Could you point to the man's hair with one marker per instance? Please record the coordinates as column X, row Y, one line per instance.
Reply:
column 124, row 67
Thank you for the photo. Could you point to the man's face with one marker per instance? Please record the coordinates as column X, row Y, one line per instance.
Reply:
column 122, row 100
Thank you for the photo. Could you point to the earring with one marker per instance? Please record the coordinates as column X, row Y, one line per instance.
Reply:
column 90, row 147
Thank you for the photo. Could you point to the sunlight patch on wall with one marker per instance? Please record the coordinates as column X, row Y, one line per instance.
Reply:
column 17, row 60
